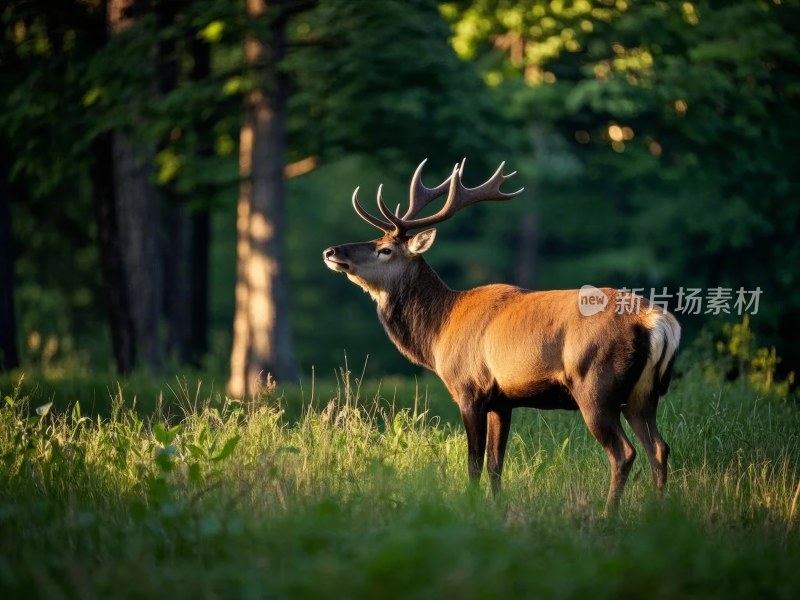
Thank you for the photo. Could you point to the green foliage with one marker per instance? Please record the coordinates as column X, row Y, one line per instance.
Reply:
column 757, row 364
column 680, row 121
column 356, row 495
column 388, row 84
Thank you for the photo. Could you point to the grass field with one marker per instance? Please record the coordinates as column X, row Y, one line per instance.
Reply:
column 350, row 489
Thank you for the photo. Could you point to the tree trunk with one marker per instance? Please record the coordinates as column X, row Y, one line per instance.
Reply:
column 9, row 359
column 200, row 236
column 199, row 242
column 138, row 210
column 176, row 278
column 115, row 286
column 237, row 384
column 139, row 220
column 262, row 342
column 175, row 282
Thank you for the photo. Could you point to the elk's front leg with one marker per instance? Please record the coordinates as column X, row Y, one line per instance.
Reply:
column 473, row 414
column 499, row 424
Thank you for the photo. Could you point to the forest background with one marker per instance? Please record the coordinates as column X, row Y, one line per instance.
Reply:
column 657, row 143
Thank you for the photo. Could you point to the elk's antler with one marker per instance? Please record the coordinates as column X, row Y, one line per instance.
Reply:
column 458, row 197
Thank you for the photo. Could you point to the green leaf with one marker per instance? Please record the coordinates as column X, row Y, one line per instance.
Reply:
column 194, row 473
column 174, row 431
column 76, row 412
column 212, row 32
column 165, row 436
column 233, row 85
column 92, row 96
column 398, row 423
column 164, row 460
column 227, row 449
column 160, row 433
column 197, row 452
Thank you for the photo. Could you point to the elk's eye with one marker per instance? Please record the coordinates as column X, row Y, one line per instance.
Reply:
column 386, row 251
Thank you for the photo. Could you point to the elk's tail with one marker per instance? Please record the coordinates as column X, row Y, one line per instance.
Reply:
column 664, row 340
column 665, row 335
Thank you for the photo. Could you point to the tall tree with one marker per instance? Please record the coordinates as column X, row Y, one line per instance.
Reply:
column 175, row 244
column 262, row 342
column 115, row 286
column 138, row 211
column 200, row 230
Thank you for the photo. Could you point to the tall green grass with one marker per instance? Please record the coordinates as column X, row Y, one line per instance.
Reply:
column 358, row 489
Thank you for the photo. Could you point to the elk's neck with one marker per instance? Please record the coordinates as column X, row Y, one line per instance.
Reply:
column 414, row 312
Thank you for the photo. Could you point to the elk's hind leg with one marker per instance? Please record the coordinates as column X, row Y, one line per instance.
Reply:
column 642, row 419
column 605, row 426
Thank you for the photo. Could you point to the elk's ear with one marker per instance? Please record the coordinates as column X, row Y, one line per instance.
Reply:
column 421, row 241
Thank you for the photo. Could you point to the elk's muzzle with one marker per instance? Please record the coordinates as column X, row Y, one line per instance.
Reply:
column 331, row 256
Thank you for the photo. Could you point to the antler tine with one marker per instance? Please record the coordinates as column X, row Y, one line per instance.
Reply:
column 489, row 190
column 458, row 197
column 420, row 196
column 375, row 222
column 397, row 222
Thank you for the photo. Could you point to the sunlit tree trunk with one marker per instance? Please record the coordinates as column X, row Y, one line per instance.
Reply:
column 262, row 342
column 9, row 359
column 237, row 384
column 138, row 209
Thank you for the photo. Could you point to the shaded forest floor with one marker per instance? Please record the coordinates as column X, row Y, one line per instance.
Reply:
column 343, row 489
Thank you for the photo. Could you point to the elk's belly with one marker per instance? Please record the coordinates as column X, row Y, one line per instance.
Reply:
column 531, row 380
column 542, row 395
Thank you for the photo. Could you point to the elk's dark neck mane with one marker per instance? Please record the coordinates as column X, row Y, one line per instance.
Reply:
column 414, row 311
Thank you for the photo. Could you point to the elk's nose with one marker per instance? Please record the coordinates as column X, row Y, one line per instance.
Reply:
column 328, row 252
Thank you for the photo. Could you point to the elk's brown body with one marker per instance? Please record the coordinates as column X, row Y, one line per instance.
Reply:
column 498, row 347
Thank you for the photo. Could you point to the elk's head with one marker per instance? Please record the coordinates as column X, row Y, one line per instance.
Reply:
column 384, row 263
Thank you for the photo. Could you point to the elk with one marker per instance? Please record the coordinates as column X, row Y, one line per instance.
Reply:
column 499, row 347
